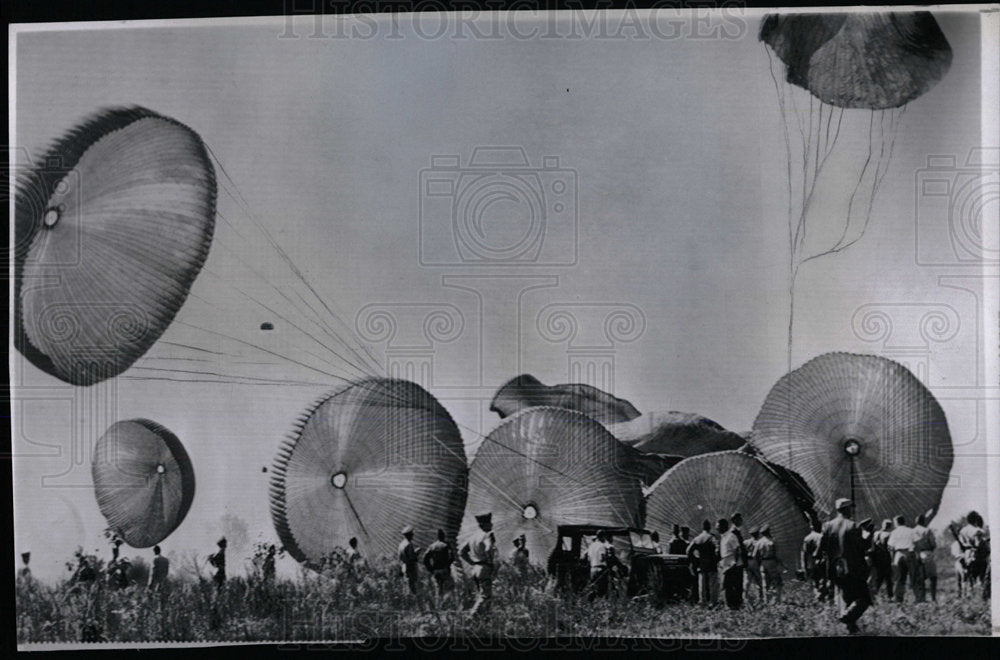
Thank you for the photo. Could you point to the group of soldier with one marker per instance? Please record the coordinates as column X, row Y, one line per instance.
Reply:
column 848, row 562
column 732, row 563
column 480, row 553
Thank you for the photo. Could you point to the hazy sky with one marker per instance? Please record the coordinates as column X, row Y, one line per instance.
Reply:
column 674, row 147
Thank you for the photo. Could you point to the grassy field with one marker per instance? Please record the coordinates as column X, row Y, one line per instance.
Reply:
column 345, row 605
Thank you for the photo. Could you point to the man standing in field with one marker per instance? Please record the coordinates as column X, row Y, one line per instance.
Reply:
column 218, row 560
column 843, row 549
column 480, row 553
column 677, row 545
column 601, row 558
column 519, row 558
column 703, row 553
column 731, row 564
column 924, row 545
column 770, row 569
column 753, row 577
column 813, row 568
column 438, row 560
column 881, row 559
column 158, row 574
column 903, row 558
column 409, row 558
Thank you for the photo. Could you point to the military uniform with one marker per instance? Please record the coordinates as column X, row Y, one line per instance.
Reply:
column 480, row 551
column 904, row 562
column 438, row 560
column 924, row 545
column 813, row 566
column 843, row 549
column 410, row 560
column 731, row 565
column 765, row 553
column 703, row 553
column 881, row 558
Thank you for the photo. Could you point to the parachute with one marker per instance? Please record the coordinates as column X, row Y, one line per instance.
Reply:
column 717, row 485
column 544, row 467
column 363, row 462
column 143, row 480
column 858, row 426
column 526, row 391
column 112, row 227
column 675, row 433
column 850, row 71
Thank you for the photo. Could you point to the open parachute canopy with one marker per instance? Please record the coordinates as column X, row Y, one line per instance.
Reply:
column 861, row 427
column 544, row 467
column 717, row 485
column 526, row 391
column 365, row 461
column 112, row 226
column 860, row 60
column 143, row 480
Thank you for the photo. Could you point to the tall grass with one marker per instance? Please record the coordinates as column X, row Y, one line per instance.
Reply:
column 345, row 603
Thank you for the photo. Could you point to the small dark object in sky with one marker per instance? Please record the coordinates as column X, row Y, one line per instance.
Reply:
column 267, row 326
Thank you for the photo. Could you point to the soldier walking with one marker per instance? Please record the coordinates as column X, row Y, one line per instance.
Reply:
column 480, row 553
column 843, row 550
column 813, row 568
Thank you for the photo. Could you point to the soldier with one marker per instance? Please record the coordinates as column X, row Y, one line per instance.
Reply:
column 677, row 546
column 881, row 560
column 158, row 574
column 268, row 570
column 843, row 550
column 903, row 558
column 409, row 558
column 118, row 567
column 703, row 553
column 770, row 569
column 602, row 560
column 438, row 560
column 813, row 568
column 519, row 557
column 218, row 561
column 753, row 578
column 924, row 545
column 480, row 553
column 354, row 557
column 732, row 561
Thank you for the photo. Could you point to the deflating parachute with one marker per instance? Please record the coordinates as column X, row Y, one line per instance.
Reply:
column 855, row 71
column 363, row 462
column 714, row 486
column 543, row 467
column 143, row 479
column 860, row 60
column 526, row 391
column 111, row 229
column 675, row 433
column 858, row 426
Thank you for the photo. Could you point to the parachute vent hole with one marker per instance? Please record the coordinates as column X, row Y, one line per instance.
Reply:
column 52, row 216
column 339, row 480
column 160, row 469
column 530, row 512
column 852, row 447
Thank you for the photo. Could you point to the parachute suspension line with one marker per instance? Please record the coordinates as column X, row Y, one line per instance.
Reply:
column 788, row 146
column 240, row 199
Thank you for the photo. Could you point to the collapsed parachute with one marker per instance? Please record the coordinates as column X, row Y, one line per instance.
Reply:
column 111, row 229
column 363, row 462
column 858, row 426
column 526, row 391
column 143, row 480
column 675, row 433
column 544, row 467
